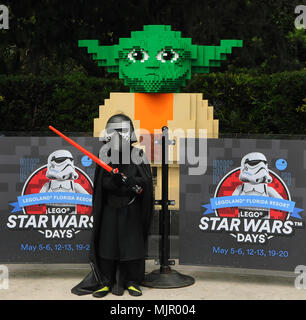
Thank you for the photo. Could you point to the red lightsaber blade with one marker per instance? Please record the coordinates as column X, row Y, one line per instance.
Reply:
column 136, row 188
column 88, row 154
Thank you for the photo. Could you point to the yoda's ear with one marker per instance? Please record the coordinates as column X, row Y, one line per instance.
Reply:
column 211, row 56
column 107, row 56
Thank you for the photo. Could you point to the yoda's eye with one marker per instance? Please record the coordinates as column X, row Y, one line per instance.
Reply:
column 138, row 55
column 167, row 55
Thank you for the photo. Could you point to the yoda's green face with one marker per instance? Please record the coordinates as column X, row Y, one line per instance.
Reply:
column 155, row 62
column 157, row 59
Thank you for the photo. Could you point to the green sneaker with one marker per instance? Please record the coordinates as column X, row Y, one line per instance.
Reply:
column 102, row 292
column 134, row 291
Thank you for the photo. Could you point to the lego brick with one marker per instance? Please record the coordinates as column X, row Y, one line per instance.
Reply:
column 193, row 106
column 210, row 113
column 181, row 107
column 147, row 106
column 216, row 129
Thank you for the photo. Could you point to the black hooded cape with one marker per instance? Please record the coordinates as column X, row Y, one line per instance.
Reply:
column 93, row 280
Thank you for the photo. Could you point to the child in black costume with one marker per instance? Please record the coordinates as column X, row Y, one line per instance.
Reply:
column 121, row 218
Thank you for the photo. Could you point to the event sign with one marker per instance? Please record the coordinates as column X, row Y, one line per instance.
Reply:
column 247, row 209
column 46, row 199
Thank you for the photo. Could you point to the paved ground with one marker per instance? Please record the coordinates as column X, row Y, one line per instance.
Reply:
column 55, row 281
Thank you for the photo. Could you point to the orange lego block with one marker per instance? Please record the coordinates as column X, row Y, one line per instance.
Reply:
column 153, row 110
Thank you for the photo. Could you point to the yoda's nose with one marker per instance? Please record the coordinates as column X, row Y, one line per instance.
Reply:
column 152, row 64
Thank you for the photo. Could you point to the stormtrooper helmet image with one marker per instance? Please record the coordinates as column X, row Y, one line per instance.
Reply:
column 61, row 166
column 254, row 169
column 119, row 131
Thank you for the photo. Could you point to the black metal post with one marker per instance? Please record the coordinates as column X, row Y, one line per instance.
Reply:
column 165, row 277
column 165, row 214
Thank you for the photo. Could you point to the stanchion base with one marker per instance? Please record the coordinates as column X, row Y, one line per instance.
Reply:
column 166, row 279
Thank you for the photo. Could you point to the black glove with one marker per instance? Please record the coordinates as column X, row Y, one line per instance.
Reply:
column 132, row 184
column 120, row 179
